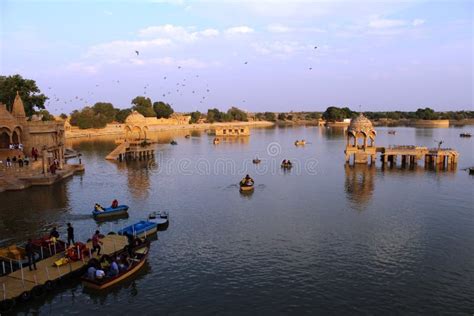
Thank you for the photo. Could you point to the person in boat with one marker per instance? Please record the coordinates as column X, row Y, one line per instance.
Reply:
column 96, row 242
column 115, row 203
column 98, row 207
column 114, row 269
column 130, row 245
column 91, row 272
column 99, row 274
column 70, row 234
column 54, row 234
column 30, row 253
column 123, row 262
column 105, row 262
column 289, row 163
column 247, row 180
column 284, row 162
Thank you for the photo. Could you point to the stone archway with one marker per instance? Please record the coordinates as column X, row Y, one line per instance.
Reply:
column 16, row 139
column 5, row 138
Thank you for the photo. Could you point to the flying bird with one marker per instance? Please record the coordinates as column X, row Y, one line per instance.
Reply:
column 164, row 77
column 137, row 52
column 315, row 47
column 246, row 62
column 179, row 67
column 310, row 68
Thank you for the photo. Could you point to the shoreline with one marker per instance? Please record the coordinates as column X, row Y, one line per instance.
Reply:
column 118, row 130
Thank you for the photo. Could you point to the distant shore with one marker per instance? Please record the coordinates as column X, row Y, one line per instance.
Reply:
column 118, row 129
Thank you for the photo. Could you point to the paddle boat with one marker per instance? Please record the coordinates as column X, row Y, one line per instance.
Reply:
column 216, row 141
column 286, row 165
column 187, row 136
column 140, row 229
column 173, row 142
column 465, row 135
column 246, row 184
column 300, row 142
column 135, row 263
column 160, row 218
column 256, row 161
column 392, row 132
column 110, row 212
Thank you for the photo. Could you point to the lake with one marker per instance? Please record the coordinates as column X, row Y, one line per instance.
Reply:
column 322, row 237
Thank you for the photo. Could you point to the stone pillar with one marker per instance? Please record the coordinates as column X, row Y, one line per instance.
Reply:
column 61, row 156
column 44, row 160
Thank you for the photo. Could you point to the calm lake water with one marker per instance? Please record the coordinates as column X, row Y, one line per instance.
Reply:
column 322, row 237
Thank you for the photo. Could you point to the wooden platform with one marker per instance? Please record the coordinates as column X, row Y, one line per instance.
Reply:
column 24, row 280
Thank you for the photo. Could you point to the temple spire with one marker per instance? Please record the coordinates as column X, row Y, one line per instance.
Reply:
column 18, row 110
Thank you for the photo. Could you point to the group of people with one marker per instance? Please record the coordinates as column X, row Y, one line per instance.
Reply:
column 16, row 146
column 107, row 266
column 286, row 162
column 100, row 208
column 53, row 237
column 10, row 162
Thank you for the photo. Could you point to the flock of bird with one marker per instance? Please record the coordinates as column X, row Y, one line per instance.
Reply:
column 180, row 89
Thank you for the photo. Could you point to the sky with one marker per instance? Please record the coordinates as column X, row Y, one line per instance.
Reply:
column 268, row 55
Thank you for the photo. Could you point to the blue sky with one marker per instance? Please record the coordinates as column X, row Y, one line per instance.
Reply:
column 257, row 55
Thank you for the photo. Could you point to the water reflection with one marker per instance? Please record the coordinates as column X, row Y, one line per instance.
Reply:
column 138, row 176
column 33, row 210
column 333, row 132
column 359, row 184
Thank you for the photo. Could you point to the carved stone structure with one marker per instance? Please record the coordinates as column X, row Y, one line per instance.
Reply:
column 135, row 126
column 361, row 140
column 47, row 137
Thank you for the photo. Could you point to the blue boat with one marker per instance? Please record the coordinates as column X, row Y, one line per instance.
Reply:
column 109, row 212
column 140, row 229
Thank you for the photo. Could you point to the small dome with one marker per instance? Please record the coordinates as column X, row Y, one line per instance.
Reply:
column 135, row 118
column 361, row 124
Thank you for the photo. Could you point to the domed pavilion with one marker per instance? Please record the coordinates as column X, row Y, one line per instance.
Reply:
column 361, row 140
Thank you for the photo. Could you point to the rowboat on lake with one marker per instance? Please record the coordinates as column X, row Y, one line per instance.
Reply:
column 160, row 218
column 135, row 263
column 140, row 229
column 300, row 142
column 246, row 184
column 110, row 212
column 216, row 141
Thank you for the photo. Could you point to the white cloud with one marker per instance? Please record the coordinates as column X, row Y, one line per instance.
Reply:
column 121, row 49
column 386, row 23
column 390, row 23
column 279, row 48
column 209, row 32
column 239, row 30
column 417, row 22
column 82, row 68
column 108, row 12
column 176, row 33
column 278, row 28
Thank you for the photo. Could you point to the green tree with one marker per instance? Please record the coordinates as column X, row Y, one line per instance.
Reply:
column 143, row 106
column 334, row 113
column 87, row 118
column 195, row 117
column 162, row 109
column 45, row 115
column 63, row 116
column 281, row 116
column 122, row 115
column 269, row 116
column 106, row 110
column 426, row 114
column 237, row 114
column 29, row 92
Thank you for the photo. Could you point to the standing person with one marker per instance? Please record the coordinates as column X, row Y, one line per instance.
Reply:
column 70, row 234
column 9, row 162
column 30, row 253
column 26, row 161
column 20, row 162
column 54, row 233
column 96, row 242
column 115, row 203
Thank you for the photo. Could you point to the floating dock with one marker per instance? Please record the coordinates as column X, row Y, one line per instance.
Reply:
column 21, row 284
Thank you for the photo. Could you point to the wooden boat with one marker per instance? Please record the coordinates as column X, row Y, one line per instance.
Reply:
column 246, row 185
column 256, row 161
column 70, row 153
column 392, row 132
column 286, row 165
column 300, row 142
column 471, row 171
column 187, row 136
column 138, row 259
column 110, row 212
column 140, row 229
column 216, row 141
column 465, row 135
column 173, row 142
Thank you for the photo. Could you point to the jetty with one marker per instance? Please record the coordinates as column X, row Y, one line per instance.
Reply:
column 22, row 284
column 361, row 146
